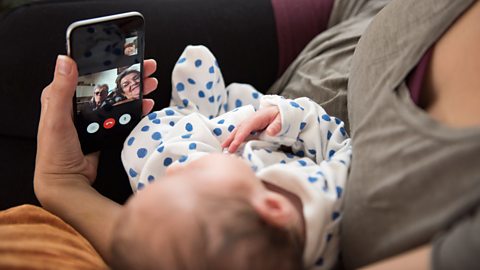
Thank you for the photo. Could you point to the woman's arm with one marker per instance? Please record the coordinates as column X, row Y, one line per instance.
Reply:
column 418, row 259
column 63, row 175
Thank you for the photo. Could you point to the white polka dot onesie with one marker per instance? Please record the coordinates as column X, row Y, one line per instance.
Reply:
column 202, row 114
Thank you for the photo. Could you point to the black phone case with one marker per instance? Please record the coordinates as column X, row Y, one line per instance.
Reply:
column 99, row 47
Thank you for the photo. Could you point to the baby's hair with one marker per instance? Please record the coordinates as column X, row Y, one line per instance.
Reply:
column 246, row 241
column 229, row 235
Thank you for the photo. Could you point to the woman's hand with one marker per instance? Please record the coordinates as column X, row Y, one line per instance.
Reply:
column 266, row 118
column 59, row 155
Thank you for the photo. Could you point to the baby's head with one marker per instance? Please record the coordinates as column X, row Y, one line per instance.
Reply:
column 211, row 213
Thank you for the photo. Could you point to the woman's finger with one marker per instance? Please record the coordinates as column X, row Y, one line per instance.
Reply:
column 149, row 85
column 149, row 67
column 147, row 105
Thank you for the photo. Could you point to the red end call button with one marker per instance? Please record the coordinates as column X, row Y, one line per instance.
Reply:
column 109, row 123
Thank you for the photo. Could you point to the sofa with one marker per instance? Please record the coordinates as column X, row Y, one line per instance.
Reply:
column 245, row 36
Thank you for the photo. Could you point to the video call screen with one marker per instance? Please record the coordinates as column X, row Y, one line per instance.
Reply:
column 109, row 90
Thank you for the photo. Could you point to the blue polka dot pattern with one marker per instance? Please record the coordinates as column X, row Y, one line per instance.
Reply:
column 201, row 94
column 185, row 102
column 231, row 128
column 302, row 125
column 312, row 179
column 302, row 162
column 169, row 112
column 156, row 136
column 211, row 70
column 338, row 121
column 217, row 131
column 326, row 117
column 312, row 152
column 211, row 99
column 331, row 153
column 192, row 146
column 335, row 215
column 191, row 81
column 294, row 104
column 182, row 159
column 343, row 131
column 300, row 153
column 198, row 63
column 132, row 173
column 156, row 121
column 325, row 186
column 142, row 152
column 130, row 141
column 152, row 116
column 255, row 95
column 238, row 103
column 339, row 191
column 188, row 127
column 145, row 128
column 329, row 135
column 180, row 87
column 209, row 85
column 172, row 123
column 181, row 60
column 140, row 186
column 167, row 161
column 151, row 178
column 160, row 149
column 221, row 121
column 186, row 136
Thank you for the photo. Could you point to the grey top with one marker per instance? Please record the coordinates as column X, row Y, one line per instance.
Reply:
column 321, row 70
column 413, row 180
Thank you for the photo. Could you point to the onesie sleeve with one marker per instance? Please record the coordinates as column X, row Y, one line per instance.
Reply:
column 316, row 171
column 307, row 128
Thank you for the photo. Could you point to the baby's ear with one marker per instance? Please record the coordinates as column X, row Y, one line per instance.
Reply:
column 275, row 209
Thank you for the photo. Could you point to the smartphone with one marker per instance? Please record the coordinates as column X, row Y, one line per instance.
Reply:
column 109, row 52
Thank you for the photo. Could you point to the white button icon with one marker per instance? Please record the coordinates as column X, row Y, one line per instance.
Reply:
column 93, row 127
column 124, row 119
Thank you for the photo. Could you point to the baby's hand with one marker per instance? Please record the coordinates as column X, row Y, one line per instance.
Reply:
column 266, row 118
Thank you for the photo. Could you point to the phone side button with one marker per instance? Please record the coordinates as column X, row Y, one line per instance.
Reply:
column 93, row 127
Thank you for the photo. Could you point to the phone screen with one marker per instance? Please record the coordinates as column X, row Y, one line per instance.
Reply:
column 109, row 55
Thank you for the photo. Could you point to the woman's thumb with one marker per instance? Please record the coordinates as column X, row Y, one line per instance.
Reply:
column 60, row 92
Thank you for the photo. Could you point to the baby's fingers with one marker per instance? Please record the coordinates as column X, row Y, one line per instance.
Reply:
column 275, row 127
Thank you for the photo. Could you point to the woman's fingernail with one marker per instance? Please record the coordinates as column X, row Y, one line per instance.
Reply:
column 63, row 65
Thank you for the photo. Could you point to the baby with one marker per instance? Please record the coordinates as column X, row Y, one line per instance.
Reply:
column 274, row 202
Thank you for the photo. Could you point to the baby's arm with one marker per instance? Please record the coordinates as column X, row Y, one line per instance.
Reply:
column 301, row 123
column 267, row 119
column 307, row 128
